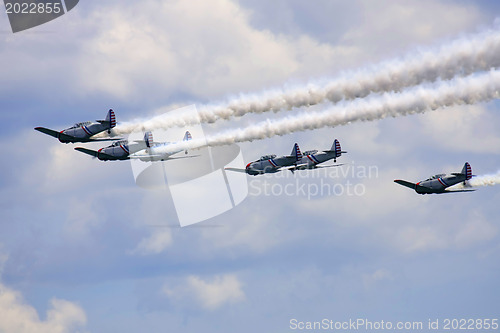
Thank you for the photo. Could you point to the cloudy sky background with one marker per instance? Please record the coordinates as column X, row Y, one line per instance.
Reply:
column 83, row 248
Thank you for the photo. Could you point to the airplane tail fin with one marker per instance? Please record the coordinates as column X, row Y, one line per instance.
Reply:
column 337, row 149
column 110, row 118
column 148, row 138
column 187, row 136
column 467, row 171
column 296, row 152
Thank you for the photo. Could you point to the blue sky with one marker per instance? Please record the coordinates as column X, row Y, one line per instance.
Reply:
column 82, row 248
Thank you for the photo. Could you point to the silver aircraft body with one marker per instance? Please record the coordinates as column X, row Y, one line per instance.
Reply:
column 312, row 158
column 271, row 163
column 156, row 151
column 118, row 150
column 84, row 131
column 440, row 183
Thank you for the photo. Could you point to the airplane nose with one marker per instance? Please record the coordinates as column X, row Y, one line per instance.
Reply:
column 248, row 166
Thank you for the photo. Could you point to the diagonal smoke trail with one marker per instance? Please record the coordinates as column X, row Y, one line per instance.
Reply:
column 460, row 57
column 469, row 90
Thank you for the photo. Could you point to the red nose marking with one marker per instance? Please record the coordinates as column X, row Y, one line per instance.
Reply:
column 248, row 166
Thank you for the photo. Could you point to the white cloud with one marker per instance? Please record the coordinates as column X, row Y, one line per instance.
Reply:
column 17, row 316
column 371, row 280
column 454, row 232
column 157, row 242
column 209, row 294
column 475, row 230
column 212, row 48
column 467, row 128
column 387, row 25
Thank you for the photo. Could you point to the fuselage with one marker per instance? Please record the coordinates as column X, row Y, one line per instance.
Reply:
column 120, row 150
column 438, row 183
column 311, row 159
column 157, row 152
column 82, row 132
column 269, row 164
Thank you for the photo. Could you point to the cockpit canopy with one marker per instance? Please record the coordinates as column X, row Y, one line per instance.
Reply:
column 83, row 123
column 436, row 176
column 267, row 157
column 119, row 143
column 310, row 152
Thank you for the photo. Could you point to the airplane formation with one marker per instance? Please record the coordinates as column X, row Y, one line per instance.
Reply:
column 149, row 151
column 295, row 161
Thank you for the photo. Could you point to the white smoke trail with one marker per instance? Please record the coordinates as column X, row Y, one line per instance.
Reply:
column 461, row 57
column 478, row 181
column 485, row 180
column 469, row 90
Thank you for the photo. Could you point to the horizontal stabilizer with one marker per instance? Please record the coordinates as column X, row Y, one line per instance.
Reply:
column 236, row 169
column 462, row 174
column 405, row 183
column 289, row 158
column 333, row 151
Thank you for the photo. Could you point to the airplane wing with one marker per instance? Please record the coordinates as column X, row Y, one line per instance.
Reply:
column 64, row 137
column 329, row 166
column 452, row 191
column 53, row 133
column 179, row 157
column 296, row 167
column 105, row 139
column 47, row 131
column 306, row 166
column 236, row 169
column 94, row 153
column 160, row 156
column 405, row 183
